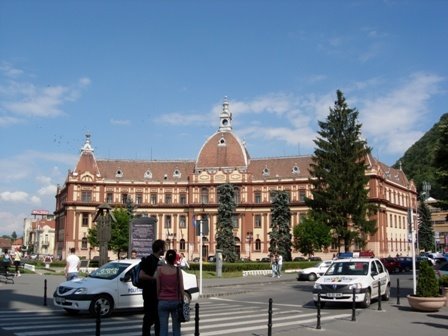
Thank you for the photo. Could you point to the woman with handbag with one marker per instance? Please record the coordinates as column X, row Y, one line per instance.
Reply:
column 170, row 291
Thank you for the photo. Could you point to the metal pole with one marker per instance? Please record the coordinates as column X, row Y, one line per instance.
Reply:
column 318, row 312
column 98, row 319
column 200, row 257
column 379, row 295
column 45, row 292
column 398, row 291
column 196, row 319
column 270, row 318
column 354, row 305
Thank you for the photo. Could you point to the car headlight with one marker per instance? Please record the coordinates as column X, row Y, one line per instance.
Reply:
column 81, row 290
column 317, row 286
column 356, row 285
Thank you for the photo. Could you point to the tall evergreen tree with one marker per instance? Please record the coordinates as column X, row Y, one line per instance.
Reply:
column 224, row 227
column 425, row 230
column 340, row 196
column 280, row 235
column 441, row 162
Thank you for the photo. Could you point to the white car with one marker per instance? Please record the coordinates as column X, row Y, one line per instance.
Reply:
column 364, row 275
column 111, row 287
column 312, row 273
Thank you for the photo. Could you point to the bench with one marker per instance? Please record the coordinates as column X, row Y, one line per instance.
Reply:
column 257, row 272
column 6, row 276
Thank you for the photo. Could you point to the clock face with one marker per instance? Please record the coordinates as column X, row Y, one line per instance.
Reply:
column 225, row 122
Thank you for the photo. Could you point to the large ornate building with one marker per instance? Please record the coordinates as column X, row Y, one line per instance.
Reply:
column 177, row 193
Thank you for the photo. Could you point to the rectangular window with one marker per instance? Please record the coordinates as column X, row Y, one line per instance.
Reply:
column 139, row 198
column 85, row 219
column 182, row 222
column 86, row 196
column 124, row 198
column 257, row 221
column 153, row 198
column 183, row 199
column 167, row 222
column 235, row 221
column 302, row 195
column 168, row 198
column 109, row 197
column 257, row 197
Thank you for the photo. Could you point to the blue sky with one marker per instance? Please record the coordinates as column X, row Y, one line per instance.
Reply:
column 147, row 79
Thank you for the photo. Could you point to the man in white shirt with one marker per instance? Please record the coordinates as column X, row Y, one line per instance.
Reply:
column 72, row 265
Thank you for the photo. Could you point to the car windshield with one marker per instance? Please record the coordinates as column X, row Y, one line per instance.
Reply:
column 348, row 268
column 109, row 271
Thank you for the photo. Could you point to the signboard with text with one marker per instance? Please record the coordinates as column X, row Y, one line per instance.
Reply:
column 142, row 234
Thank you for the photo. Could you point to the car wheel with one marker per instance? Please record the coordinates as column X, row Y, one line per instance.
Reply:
column 106, row 305
column 187, row 297
column 312, row 277
column 367, row 299
column 71, row 311
column 386, row 295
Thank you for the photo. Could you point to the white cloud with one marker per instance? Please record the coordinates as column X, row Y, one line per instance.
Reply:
column 11, row 222
column 9, row 70
column 49, row 190
column 14, row 196
column 183, row 119
column 8, row 120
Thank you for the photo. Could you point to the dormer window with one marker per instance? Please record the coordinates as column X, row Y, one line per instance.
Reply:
column 222, row 142
column 165, row 177
column 266, row 171
column 176, row 173
column 295, row 170
column 147, row 174
column 119, row 173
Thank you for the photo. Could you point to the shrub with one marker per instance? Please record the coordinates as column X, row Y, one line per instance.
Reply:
column 443, row 281
column 427, row 284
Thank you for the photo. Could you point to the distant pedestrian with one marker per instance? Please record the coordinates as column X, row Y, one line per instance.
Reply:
column 134, row 254
column 274, row 265
column 6, row 261
column 170, row 291
column 72, row 265
column 17, row 259
column 279, row 265
column 183, row 262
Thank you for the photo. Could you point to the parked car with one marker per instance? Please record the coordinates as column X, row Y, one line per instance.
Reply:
column 299, row 259
column 265, row 259
column 391, row 264
column 111, row 287
column 442, row 269
column 211, row 258
column 405, row 263
column 312, row 273
column 344, row 275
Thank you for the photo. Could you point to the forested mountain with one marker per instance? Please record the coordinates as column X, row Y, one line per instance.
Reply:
column 418, row 161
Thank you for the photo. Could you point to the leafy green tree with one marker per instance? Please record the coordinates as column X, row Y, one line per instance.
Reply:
column 119, row 232
column 280, row 235
column 441, row 162
column 340, row 196
column 224, row 227
column 311, row 235
column 425, row 230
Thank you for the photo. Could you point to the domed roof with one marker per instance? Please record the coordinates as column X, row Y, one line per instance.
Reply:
column 223, row 149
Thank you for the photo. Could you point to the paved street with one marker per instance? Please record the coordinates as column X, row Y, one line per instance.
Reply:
column 228, row 306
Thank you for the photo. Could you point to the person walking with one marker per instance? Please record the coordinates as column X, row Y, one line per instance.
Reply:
column 72, row 264
column 279, row 265
column 17, row 258
column 274, row 265
column 170, row 291
column 183, row 262
column 148, row 268
column 6, row 261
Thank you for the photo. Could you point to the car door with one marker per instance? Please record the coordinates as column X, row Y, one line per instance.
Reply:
column 129, row 296
column 381, row 277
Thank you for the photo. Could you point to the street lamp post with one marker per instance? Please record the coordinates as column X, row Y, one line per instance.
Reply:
column 104, row 218
column 249, row 238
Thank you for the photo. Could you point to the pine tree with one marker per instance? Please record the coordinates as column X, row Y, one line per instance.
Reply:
column 340, row 196
column 224, row 227
column 280, row 235
column 425, row 230
column 441, row 162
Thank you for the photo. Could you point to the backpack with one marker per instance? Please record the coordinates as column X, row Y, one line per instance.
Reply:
column 135, row 272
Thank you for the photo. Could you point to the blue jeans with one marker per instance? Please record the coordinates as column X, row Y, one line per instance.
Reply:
column 165, row 309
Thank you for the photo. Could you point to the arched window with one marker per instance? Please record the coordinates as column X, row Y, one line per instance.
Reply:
column 84, row 243
column 182, row 245
column 257, row 245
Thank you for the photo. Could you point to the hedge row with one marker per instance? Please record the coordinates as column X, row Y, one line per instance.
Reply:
column 246, row 266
